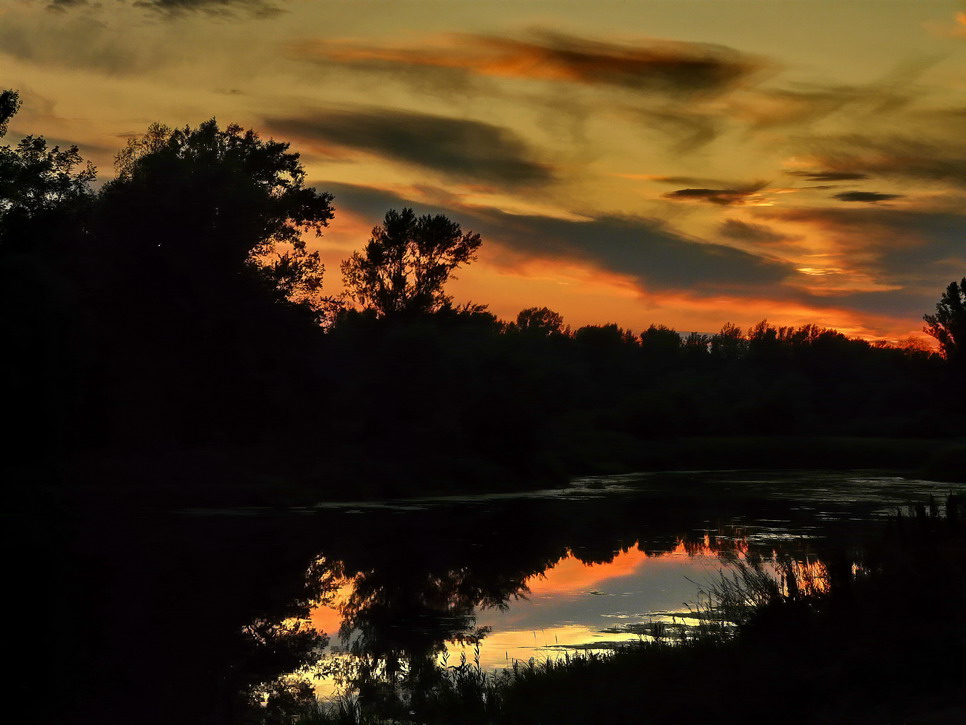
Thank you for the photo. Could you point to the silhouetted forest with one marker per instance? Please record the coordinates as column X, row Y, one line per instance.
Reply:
column 176, row 311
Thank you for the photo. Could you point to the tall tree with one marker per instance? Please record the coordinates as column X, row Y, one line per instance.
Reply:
column 407, row 262
column 45, row 198
column 200, row 252
column 210, row 203
column 948, row 325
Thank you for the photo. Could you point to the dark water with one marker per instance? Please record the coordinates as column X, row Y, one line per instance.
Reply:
column 184, row 616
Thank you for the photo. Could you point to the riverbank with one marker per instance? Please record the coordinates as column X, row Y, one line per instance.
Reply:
column 229, row 477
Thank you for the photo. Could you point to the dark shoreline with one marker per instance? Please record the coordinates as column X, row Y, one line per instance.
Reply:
column 230, row 477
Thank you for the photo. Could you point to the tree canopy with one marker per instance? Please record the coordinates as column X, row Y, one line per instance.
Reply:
column 948, row 325
column 407, row 262
column 218, row 201
column 37, row 183
column 540, row 321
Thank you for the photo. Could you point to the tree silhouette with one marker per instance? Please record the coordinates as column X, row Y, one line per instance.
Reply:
column 9, row 104
column 948, row 325
column 540, row 321
column 407, row 262
column 211, row 202
column 36, row 182
column 45, row 197
column 198, row 254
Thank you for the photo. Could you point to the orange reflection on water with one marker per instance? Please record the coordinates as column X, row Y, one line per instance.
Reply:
column 566, row 608
column 327, row 616
column 570, row 575
column 811, row 577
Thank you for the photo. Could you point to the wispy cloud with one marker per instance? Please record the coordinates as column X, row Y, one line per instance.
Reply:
column 926, row 159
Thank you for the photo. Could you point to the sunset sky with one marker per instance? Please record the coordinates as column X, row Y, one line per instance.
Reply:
column 678, row 162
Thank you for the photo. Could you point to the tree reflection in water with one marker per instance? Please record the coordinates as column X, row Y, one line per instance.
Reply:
column 203, row 616
column 399, row 622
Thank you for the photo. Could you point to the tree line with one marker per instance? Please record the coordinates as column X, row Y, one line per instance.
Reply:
column 178, row 307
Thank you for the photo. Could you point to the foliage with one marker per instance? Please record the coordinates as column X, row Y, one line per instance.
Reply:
column 540, row 321
column 219, row 201
column 407, row 262
column 9, row 104
column 948, row 325
column 178, row 304
column 36, row 182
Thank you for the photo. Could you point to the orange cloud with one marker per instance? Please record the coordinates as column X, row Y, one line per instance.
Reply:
column 675, row 67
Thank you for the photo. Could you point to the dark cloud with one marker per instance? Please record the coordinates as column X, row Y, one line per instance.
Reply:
column 460, row 148
column 257, row 8
column 721, row 197
column 660, row 66
column 657, row 258
column 828, row 175
column 754, row 233
column 869, row 196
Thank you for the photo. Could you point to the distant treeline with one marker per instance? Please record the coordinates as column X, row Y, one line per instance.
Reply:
column 178, row 308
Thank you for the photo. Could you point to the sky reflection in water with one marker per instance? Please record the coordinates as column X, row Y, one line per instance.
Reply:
column 572, row 605
column 581, row 601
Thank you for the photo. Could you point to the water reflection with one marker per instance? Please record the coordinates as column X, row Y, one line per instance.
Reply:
column 201, row 614
column 396, row 626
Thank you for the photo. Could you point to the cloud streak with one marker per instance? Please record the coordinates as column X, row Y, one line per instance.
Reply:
column 719, row 197
column 459, row 148
column 174, row 8
column 658, row 66
column 828, row 175
column 866, row 196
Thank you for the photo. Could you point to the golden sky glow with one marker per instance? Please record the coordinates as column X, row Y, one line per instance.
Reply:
column 686, row 163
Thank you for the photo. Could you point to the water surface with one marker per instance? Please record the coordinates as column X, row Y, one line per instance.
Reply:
column 189, row 610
